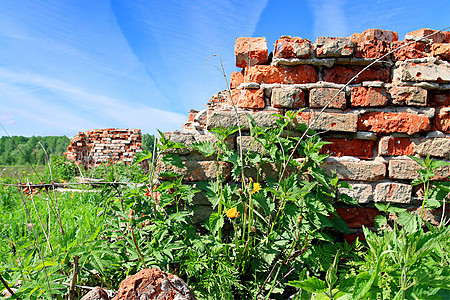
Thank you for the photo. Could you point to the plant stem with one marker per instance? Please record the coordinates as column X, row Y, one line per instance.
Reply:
column 137, row 248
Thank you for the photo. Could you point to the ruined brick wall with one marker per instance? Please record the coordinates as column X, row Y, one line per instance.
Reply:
column 104, row 145
column 398, row 107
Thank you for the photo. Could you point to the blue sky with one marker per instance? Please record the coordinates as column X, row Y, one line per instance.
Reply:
column 74, row 65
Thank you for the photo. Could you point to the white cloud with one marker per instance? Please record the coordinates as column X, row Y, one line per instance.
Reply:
column 329, row 18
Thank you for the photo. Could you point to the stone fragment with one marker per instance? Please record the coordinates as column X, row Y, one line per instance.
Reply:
column 432, row 70
column 408, row 95
column 357, row 217
column 441, row 51
column 154, row 284
column 250, row 51
column 362, row 149
column 439, row 147
column 393, row 192
column 436, row 37
column 333, row 47
column 442, row 119
column 96, row 294
column 367, row 97
column 439, row 98
column 361, row 192
column 217, row 118
column 382, row 122
column 407, row 169
column 288, row 97
column 236, row 79
column 380, row 35
column 248, row 98
column 281, row 74
column 356, row 170
column 296, row 47
column 329, row 121
column 319, row 97
column 343, row 74
column 196, row 170
column 390, row 145
column 412, row 51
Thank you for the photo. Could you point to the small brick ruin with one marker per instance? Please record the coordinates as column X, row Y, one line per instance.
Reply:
column 399, row 106
column 104, row 145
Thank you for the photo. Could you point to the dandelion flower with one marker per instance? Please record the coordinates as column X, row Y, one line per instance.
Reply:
column 232, row 213
column 256, row 188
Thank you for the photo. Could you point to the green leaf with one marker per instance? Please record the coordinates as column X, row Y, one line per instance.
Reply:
column 408, row 221
column 418, row 160
column 215, row 222
column 312, row 285
column 330, row 276
column 173, row 159
column 363, row 283
column 205, row 148
column 348, row 200
column 340, row 224
column 380, row 221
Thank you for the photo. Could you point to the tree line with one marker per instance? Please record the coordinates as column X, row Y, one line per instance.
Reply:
column 32, row 148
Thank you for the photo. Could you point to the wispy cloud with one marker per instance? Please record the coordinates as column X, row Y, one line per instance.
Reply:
column 329, row 18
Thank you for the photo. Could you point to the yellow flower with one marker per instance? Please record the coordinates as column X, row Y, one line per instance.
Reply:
column 232, row 213
column 256, row 188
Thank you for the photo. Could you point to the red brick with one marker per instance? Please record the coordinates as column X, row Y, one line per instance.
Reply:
column 439, row 37
column 382, row 122
column 441, row 51
column 440, row 98
column 342, row 74
column 348, row 147
column 296, row 47
column 356, row 217
column 447, row 36
column 390, row 145
column 368, row 96
column 248, row 98
column 288, row 75
column 415, row 50
column 372, row 49
column 250, row 51
column 442, row 120
column 319, row 97
column 192, row 114
column 351, row 237
column 237, row 78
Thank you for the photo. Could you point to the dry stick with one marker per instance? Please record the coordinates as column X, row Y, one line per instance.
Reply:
column 342, row 88
column 6, row 286
column 28, row 216
column 74, row 278
column 38, row 216
column 151, row 168
column 54, row 195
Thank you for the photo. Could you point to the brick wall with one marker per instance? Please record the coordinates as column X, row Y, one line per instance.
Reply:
column 104, row 145
column 400, row 106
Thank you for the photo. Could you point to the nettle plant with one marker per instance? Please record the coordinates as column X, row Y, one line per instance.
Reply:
column 264, row 230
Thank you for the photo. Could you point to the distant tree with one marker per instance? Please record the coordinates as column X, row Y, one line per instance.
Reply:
column 148, row 142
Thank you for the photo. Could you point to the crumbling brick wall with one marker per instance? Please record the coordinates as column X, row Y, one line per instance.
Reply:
column 400, row 106
column 104, row 145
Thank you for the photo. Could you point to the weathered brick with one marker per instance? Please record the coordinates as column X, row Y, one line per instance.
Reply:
column 237, row 78
column 281, row 74
column 438, row 37
column 228, row 119
column 441, row 51
column 296, row 47
column 343, row 74
column 439, row 98
column 329, row 121
column 372, row 49
column 248, row 98
column 442, row 119
column 415, row 50
column 407, row 169
column 368, row 96
column 288, row 97
column 380, row 35
column 382, row 122
column 349, row 147
column 249, row 144
column 393, row 192
column 361, row 192
column 333, row 47
column 356, row 170
column 250, row 51
column 390, row 145
column 319, row 97
column 433, row 70
column 197, row 170
column 439, row 147
column 356, row 217
column 408, row 95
